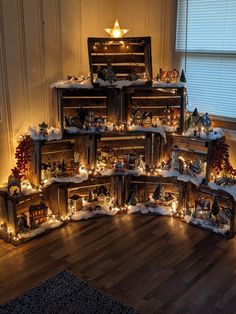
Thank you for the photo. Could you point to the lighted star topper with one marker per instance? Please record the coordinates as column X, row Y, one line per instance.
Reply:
column 116, row 31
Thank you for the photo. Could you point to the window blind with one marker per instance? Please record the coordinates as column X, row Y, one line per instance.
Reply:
column 206, row 38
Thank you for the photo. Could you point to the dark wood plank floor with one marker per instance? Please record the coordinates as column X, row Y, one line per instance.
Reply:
column 155, row 264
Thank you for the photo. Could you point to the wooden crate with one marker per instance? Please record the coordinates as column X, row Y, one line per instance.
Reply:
column 10, row 209
column 200, row 216
column 95, row 103
column 127, row 55
column 191, row 148
column 166, row 103
column 147, row 184
column 121, row 143
column 82, row 189
column 81, row 147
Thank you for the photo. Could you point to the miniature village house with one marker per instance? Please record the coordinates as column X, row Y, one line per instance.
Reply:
column 75, row 203
column 37, row 215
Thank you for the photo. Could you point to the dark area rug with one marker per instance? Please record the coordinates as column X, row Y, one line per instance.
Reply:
column 65, row 293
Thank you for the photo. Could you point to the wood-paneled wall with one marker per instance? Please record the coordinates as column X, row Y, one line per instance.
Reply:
column 42, row 41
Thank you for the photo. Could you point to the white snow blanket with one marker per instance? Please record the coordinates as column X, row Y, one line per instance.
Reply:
column 76, row 179
column 71, row 84
column 197, row 180
column 86, row 214
column 53, row 134
column 48, row 225
column 170, row 85
column 202, row 223
column 141, row 208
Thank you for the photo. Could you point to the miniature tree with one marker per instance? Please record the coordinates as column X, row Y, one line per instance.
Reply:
column 90, row 197
column 195, row 117
column 132, row 199
column 215, row 206
column 183, row 77
column 196, row 167
column 157, row 193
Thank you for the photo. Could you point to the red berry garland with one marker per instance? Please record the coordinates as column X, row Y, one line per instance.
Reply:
column 221, row 163
column 22, row 155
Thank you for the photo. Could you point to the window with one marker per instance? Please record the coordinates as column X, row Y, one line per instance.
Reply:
column 206, row 49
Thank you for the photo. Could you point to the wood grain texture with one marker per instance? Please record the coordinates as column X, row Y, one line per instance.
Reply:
column 156, row 264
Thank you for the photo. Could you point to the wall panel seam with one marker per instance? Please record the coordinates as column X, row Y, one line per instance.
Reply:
column 80, row 61
column 6, row 92
column 42, row 57
column 59, row 39
column 23, row 54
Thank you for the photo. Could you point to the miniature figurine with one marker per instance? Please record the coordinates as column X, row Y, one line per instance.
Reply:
column 14, row 186
column 43, row 129
column 75, row 203
column 109, row 74
column 147, row 119
column 206, row 122
column 137, row 117
column 22, row 223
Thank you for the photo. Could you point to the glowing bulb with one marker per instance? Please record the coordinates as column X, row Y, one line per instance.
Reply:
column 116, row 31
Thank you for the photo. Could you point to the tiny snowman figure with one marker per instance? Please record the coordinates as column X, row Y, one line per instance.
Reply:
column 43, row 130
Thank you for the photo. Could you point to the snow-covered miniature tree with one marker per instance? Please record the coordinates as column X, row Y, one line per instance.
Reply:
column 215, row 206
column 157, row 193
column 132, row 199
column 196, row 167
column 90, row 197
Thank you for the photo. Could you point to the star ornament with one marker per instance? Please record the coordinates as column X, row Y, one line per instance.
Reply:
column 116, row 31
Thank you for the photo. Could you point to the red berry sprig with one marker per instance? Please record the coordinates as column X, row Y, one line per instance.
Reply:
column 221, row 163
column 22, row 155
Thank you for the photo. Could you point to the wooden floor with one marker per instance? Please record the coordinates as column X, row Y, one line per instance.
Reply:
column 155, row 264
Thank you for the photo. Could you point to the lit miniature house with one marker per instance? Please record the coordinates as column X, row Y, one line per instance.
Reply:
column 38, row 215
column 75, row 203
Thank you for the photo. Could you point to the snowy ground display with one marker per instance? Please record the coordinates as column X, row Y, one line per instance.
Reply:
column 50, row 224
column 86, row 214
column 206, row 224
column 141, row 208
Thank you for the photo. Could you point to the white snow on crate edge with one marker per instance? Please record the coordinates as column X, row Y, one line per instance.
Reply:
column 159, row 130
column 214, row 135
column 67, row 84
column 53, row 134
column 231, row 189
